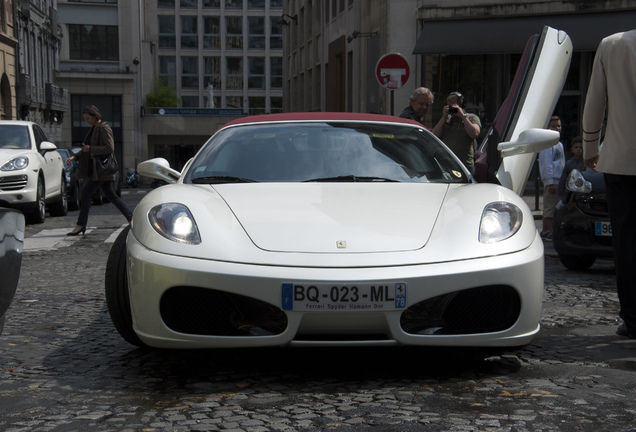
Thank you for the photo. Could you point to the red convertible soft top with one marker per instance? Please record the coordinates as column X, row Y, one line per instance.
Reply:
column 320, row 116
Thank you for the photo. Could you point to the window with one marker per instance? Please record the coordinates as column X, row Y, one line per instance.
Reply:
column 212, row 4
column 256, row 4
column 234, row 102
column 189, row 72
column 93, row 1
column 167, row 38
column 168, row 70
column 212, row 71
column 275, row 4
column 189, row 36
column 110, row 106
column 256, row 37
column 165, row 4
column 93, row 42
column 234, row 4
column 257, row 105
column 234, row 30
column 190, row 101
column 276, row 38
column 277, row 105
column 234, row 73
column 256, row 78
column 188, row 4
column 276, row 67
column 211, row 32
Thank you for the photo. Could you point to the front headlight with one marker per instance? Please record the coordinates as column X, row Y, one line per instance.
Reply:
column 16, row 164
column 174, row 222
column 499, row 221
column 577, row 183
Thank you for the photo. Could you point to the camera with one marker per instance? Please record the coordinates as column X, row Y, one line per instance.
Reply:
column 453, row 110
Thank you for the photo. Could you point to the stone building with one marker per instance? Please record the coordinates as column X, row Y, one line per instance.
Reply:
column 8, row 48
column 38, row 97
column 472, row 46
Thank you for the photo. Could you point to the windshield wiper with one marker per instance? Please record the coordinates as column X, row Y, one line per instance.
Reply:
column 351, row 178
column 221, row 180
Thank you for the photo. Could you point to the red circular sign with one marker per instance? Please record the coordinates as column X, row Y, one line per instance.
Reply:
column 392, row 71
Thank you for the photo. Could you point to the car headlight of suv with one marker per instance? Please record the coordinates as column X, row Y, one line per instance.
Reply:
column 16, row 164
column 499, row 221
column 174, row 222
column 577, row 183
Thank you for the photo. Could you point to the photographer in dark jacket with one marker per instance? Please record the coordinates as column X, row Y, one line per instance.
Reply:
column 98, row 142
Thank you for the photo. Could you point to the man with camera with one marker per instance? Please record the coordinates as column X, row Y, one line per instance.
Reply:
column 459, row 129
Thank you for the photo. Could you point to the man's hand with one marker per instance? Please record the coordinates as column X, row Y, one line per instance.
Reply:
column 591, row 162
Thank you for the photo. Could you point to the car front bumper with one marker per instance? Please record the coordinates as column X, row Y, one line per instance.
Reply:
column 575, row 233
column 154, row 277
column 18, row 189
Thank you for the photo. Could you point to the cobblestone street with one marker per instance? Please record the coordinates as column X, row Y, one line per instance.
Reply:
column 65, row 368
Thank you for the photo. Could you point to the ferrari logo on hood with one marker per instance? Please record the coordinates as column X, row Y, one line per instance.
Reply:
column 341, row 244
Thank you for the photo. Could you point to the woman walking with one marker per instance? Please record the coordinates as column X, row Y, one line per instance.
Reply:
column 98, row 142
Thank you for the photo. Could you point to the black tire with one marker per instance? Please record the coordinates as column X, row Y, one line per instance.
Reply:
column 577, row 262
column 116, row 287
column 60, row 208
column 74, row 202
column 38, row 215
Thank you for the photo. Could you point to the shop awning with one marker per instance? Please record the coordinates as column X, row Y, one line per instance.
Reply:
column 509, row 35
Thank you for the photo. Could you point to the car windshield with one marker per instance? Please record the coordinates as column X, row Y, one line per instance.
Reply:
column 324, row 152
column 14, row 137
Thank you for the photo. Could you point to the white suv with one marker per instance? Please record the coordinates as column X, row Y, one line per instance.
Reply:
column 31, row 171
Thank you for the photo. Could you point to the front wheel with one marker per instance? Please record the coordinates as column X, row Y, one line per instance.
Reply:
column 116, row 287
column 577, row 262
column 60, row 208
column 38, row 215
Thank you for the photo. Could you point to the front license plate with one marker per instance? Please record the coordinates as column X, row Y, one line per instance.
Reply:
column 603, row 229
column 333, row 297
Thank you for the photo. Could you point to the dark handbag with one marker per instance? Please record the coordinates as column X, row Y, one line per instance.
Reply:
column 106, row 165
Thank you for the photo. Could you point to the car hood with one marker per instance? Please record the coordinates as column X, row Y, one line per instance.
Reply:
column 351, row 217
column 9, row 154
column 301, row 224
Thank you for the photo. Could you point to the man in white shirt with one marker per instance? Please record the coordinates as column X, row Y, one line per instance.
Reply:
column 613, row 88
column 551, row 164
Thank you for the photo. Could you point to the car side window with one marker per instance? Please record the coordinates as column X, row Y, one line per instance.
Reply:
column 39, row 136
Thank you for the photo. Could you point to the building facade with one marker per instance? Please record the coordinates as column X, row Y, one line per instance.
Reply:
column 8, row 48
column 224, row 60
column 38, row 97
column 470, row 46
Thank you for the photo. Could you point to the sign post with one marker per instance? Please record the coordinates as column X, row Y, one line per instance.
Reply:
column 392, row 72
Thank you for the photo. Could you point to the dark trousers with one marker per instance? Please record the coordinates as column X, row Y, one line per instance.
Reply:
column 90, row 187
column 621, row 199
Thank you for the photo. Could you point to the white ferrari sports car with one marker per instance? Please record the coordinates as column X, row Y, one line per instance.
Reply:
column 311, row 229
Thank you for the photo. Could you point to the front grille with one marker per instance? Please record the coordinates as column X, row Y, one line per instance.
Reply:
column 476, row 310
column 593, row 206
column 210, row 312
column 13, row 183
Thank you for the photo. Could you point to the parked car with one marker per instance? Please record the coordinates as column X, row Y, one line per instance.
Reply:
column 11, row 246
column 72, row 180
column 582, row 229
column 32, row 175
column 310, row 229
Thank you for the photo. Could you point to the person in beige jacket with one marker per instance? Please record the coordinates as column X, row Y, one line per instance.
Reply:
column 613, row 89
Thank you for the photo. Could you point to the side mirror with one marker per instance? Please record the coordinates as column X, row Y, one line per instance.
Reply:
column 158, row 168
column 46, row 146
column 529, row 141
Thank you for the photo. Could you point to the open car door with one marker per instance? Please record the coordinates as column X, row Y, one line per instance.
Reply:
column 530, row 103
